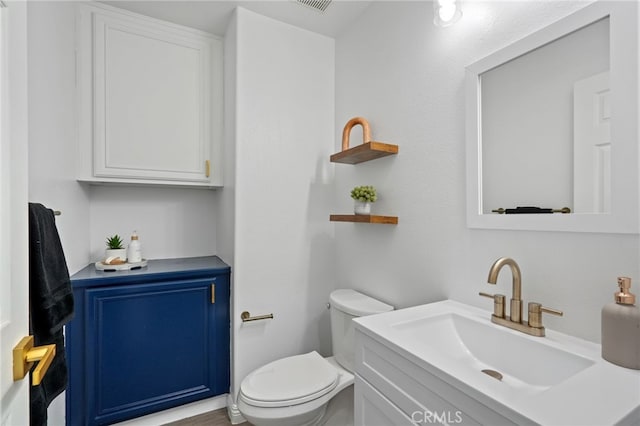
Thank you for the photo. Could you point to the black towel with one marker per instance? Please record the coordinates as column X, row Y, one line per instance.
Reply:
column 51, row 305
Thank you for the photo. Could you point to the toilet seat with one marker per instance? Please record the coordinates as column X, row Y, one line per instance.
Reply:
column 289, row 381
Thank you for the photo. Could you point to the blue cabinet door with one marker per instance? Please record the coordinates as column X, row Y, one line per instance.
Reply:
column 153, row 346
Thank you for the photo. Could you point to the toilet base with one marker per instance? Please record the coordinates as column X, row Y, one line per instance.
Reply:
column 312, row 418
column 307, row 414
column 340, row 409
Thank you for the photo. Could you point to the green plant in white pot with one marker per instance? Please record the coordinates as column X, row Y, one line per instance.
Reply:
column 115, row 252
column 363, row 197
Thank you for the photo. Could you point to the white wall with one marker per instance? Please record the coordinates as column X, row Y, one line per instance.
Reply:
column 406, row 76
column 283, row 190
column 171, row 222
column 225, row 197
column 52, row 129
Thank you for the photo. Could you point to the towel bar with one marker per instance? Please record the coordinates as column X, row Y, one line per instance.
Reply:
column 517, row 210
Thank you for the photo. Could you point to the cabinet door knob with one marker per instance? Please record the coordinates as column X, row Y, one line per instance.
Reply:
column 207, row 168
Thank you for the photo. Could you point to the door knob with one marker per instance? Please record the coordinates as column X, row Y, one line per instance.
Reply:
column 25, row 354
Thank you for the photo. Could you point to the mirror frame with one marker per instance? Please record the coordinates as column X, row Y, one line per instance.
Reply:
column 623, row 61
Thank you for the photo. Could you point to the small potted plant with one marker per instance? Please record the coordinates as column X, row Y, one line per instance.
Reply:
column 363, row 197
column 115, row 252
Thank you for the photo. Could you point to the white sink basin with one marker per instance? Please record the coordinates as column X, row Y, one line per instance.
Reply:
column 552, row 380
column 478, row 345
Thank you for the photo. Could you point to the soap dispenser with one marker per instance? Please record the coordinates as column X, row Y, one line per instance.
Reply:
column 134, row 251
column 621, row 328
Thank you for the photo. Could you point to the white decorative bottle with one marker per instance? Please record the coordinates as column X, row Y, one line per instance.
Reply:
column 621, row 328
column 134, row 251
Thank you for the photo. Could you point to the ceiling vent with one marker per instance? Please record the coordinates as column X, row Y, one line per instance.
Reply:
column 319, row 5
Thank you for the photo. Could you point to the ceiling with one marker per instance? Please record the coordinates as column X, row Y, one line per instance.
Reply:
column 212, row 15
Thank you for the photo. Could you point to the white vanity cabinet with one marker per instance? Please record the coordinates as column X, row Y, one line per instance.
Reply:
column 149, row 100
column 390, row 388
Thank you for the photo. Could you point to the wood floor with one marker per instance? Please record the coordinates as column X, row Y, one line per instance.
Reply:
column 212, row 418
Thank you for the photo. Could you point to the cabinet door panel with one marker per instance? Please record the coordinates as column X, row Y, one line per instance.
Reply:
column 152, row 95
column 149, row 347
column 372, row 409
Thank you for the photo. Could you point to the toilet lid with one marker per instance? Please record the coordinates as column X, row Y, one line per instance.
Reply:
column 289, row 381
column 355, row 303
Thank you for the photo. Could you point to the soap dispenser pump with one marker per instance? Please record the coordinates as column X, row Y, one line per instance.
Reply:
column 621, row 328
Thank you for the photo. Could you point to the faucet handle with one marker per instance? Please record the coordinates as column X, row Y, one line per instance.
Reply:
column 535, row 314
column 498, row 303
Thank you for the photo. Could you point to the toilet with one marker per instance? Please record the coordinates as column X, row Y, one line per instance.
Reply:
column 295, row 391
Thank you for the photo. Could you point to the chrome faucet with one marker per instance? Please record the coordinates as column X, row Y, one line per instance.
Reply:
column 534, row 324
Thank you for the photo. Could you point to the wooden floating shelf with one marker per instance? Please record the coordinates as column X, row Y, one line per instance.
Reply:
column 365, row 152
column 361, row 218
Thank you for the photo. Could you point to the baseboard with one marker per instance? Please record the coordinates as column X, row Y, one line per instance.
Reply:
column 179, row 413
column 232, row 411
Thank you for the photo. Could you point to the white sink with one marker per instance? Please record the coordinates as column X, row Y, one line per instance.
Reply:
column 552, row 380
column 478, row 345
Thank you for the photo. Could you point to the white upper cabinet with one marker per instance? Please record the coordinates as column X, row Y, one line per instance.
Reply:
column 150, row 100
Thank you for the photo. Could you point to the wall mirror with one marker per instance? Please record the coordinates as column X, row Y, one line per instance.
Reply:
column 552, row 123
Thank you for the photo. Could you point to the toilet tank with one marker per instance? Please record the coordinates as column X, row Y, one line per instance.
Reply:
column 346, row 305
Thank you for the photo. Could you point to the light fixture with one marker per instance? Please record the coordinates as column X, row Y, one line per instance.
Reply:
column 446, row 12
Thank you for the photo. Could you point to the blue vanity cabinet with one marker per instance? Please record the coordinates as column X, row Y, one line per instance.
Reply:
column 147, row 340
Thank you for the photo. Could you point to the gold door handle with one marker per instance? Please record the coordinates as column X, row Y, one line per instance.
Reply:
column 25, row 354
